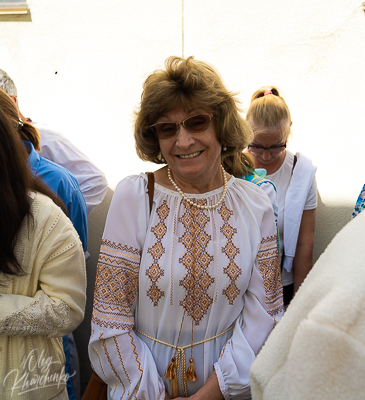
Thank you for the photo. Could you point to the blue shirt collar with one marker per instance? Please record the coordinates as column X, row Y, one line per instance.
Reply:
column 33, row 158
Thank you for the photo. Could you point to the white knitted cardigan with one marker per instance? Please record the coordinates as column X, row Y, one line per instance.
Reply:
column 41, row 306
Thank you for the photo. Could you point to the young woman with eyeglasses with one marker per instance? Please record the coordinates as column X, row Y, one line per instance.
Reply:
column 294, row 178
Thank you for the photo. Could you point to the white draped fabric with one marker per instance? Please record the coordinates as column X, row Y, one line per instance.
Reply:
column 217, row 268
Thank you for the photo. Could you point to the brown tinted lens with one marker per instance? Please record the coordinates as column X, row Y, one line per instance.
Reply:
column 198, row 123
column 165, row 130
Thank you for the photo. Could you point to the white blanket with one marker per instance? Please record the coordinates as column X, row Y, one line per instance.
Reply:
column 317, row 351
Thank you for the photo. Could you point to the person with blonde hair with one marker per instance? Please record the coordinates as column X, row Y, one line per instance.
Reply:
column 294, row 178
column 188, row 287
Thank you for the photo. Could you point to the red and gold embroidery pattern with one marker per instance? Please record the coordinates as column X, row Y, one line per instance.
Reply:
column 269, row 266
column 112, row 365
column 121, row 360
column 135, row 353
column 116, row 286
column 196, row 261
column 217, row 268
column 173, row 257
column 154, row 272
column 232, row 270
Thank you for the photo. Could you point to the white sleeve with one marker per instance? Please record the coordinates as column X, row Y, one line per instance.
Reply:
column 57, row 148
column 57, row 307
column 262, row 309
column 311, row 201
column 117, row 354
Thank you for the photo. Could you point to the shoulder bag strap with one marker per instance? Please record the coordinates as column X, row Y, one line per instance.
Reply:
column 151, row 188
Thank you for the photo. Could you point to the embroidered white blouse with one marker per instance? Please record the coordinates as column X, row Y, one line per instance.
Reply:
column 156, row 269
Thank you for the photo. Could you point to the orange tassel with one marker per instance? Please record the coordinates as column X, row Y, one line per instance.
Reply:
column 171, row 375
column 174, row 387
column 191, row 373
column 170, row 372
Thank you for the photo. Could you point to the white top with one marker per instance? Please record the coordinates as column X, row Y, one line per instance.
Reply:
column 147, row 278
column 282, row 178
column 57, row 148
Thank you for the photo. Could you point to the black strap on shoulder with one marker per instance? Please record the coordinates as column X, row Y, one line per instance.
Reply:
column 151, row 188
column 294, row 162
column 282, row 247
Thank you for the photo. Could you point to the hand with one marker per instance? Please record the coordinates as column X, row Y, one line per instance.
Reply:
column 192, row 397
column 209, row 391
column 167, row 397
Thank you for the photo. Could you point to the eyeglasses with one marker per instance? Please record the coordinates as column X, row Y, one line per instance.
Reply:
column 196, row 124
column 274, row 150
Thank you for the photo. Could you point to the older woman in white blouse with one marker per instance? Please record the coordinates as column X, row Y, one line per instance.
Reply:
column 187, row 292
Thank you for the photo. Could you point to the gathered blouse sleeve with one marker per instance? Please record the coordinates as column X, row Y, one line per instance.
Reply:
column 263, row 306
column 117, row 355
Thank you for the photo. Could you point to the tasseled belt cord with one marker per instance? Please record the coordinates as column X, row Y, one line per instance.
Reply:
column 179, row 360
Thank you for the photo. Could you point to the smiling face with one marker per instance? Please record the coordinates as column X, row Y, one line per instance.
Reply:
column 194, row 158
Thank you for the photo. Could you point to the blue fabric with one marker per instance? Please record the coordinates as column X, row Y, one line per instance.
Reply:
column 360, row 203
column 74, row 367
column 65, row 185
column 258, row 172
column 68, row 372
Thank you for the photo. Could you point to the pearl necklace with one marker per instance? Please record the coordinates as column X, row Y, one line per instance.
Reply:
column 183, row 195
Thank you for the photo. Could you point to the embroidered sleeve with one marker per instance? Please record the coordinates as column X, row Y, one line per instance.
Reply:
column 117, row 354
column 116, row 286
column 38, row 317
column 269, row 267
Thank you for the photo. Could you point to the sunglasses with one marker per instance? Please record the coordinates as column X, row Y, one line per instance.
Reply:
column 196, row 124
column 274, row 150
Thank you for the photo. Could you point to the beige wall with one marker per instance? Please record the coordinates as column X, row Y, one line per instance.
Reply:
column 80, row 65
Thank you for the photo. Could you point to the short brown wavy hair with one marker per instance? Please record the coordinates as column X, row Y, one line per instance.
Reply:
column 186, row 83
